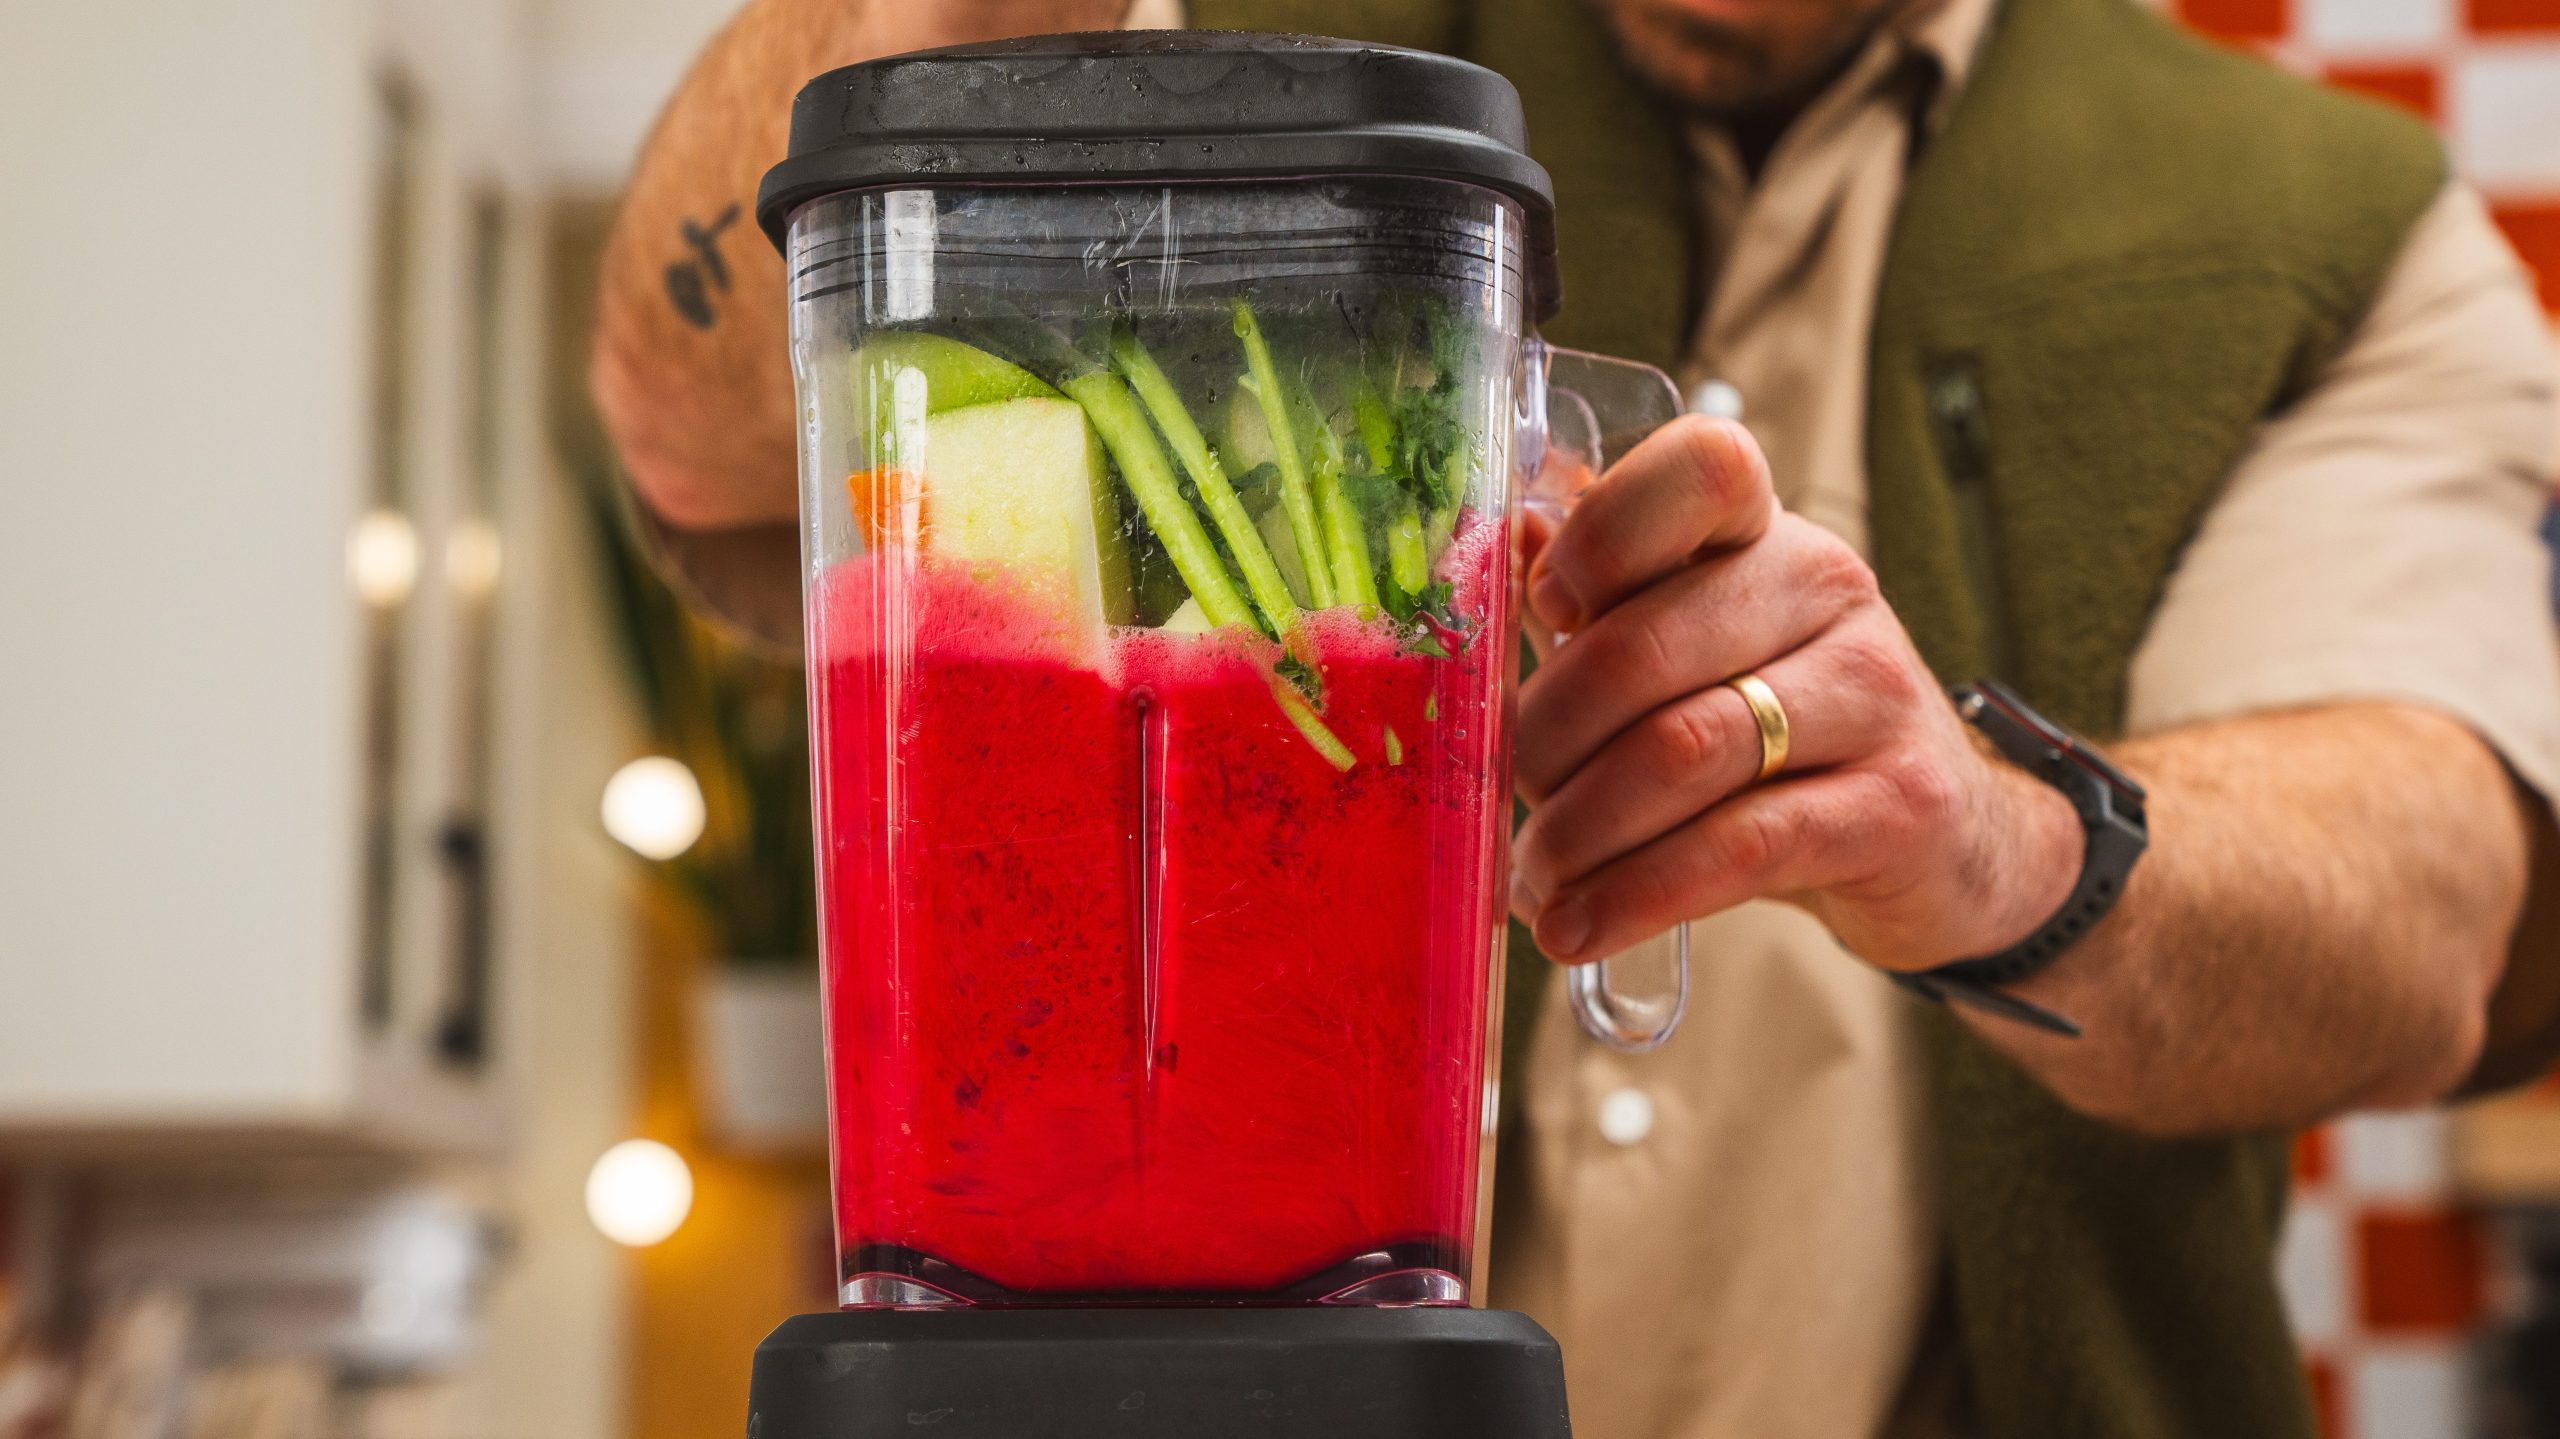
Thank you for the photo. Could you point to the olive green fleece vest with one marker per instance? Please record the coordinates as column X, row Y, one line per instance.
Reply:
column 2126, row 249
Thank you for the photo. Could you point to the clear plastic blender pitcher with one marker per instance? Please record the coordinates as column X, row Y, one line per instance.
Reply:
column 1167, row 399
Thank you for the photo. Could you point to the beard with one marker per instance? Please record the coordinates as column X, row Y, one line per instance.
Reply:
column 1722, row 70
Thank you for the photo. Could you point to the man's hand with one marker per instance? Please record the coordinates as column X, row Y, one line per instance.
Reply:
column 2325, row 909
column 1676, row 573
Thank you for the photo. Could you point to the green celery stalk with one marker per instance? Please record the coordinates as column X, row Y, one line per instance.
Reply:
column 1261, row 573
column 1310, row 724
column 1354, row 583
column 1123, row 427
column 1436, row 532
column 1377, row 430
column 1407, row 563
column 1262, row 381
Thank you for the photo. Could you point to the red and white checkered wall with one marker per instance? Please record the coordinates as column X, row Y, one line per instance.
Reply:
column 2487, row 72
column 2386, row 1274
column 2385, row 1271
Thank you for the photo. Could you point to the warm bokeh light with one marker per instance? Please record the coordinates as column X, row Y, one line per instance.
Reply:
column 654, row 805
column 471, row 558
column 382, row 557
column 639, row 1192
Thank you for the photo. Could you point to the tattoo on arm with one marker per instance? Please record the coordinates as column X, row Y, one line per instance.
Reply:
column 692, row 282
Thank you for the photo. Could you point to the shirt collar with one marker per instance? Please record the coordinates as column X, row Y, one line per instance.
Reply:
column 1926, row 49
column 1947, row 34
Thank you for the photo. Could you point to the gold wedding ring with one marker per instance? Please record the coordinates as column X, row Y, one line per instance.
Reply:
column 1767, row 713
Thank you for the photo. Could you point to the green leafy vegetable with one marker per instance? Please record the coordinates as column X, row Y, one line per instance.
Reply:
column 1261, row 575
column 1348, row 544
column 1377, row 428
column 1301, row 674
column 1408, row 565
column 1418, row 454
column 1329, row 509
column 1327, row 743
column 1107, row 401
column 1262, row 381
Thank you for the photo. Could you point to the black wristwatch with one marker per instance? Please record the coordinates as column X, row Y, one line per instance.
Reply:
column 2110, row 808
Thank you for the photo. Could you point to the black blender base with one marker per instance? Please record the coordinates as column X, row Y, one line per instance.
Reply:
column 1311, row 1373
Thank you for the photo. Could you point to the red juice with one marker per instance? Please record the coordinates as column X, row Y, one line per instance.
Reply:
column 1131, row 992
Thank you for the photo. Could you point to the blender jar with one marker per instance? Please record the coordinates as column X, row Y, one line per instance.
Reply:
column 1162, row 398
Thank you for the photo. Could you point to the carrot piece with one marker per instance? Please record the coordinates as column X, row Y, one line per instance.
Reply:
column 888, row 506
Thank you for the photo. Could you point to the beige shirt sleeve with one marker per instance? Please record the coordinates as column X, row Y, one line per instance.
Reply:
column 2379, row 540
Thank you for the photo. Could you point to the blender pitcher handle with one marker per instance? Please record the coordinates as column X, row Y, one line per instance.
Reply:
column 1590, row 410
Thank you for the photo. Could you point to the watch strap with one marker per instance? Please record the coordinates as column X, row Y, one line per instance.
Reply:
column 2115, row 830
column 1974, row 994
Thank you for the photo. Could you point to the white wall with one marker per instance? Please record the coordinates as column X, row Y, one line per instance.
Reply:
column 185, row 306
column 604, row 68
column 181, row 402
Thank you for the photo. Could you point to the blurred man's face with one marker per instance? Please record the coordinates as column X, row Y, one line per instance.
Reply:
column 1739, row 57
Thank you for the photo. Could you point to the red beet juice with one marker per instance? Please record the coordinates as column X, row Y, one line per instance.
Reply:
column 1132, row 993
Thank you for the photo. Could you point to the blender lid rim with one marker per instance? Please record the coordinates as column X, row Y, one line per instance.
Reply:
column 1163, row 107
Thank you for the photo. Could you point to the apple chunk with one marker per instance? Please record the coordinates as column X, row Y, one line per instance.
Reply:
column 1020, row 486
column 901, row 376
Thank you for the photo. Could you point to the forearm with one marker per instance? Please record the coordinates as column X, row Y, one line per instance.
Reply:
column 2324, row 910
column 691, row 367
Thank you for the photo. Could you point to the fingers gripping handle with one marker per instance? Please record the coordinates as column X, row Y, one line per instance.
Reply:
column 1591, row 410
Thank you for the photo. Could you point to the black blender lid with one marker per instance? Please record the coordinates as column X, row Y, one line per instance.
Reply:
column 1162, row 105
